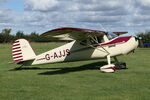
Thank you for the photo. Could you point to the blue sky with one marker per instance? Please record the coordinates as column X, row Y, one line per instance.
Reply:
column 43, row 15
column 16, row 5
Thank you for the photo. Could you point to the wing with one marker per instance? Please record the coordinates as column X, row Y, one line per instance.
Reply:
column 74, row 33
column 120, row 33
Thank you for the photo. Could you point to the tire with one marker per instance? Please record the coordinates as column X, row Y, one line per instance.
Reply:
column 120, row 65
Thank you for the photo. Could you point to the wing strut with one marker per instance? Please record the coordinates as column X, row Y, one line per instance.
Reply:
column 98, row 44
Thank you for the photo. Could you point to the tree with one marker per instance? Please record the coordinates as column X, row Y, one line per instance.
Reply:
column 6, row 36
column 34, row 37
column 19, row 35
column 145, row 38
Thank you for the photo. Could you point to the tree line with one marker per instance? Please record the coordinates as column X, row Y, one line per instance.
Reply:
column 145, row 37
column 7, row 37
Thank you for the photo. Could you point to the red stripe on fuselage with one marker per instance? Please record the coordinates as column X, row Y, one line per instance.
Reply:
column 116, row 41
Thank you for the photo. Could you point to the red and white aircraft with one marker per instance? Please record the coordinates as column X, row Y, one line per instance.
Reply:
column 86, row 44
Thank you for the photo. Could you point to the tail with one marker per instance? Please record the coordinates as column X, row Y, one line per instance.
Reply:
column 22, row 51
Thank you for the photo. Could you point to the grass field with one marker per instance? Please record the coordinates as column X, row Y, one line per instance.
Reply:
column 74, row 80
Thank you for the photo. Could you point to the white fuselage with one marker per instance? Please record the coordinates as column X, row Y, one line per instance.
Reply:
column 74, row 51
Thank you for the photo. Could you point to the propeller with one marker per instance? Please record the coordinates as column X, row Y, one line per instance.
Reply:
column 112, row 34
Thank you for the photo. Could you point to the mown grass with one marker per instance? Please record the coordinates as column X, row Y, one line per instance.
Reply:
column 74, row 80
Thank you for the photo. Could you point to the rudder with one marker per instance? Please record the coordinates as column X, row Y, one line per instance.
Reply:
column 22, row 51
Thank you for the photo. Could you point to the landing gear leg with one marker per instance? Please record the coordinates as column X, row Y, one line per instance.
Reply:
column 108, row 60
column 108, row 68
column 119, row 65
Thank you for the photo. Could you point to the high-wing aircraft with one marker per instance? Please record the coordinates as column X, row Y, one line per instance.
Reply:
column 86, row 44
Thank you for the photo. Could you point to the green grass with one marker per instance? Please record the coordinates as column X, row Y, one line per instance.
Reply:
column 74, row 80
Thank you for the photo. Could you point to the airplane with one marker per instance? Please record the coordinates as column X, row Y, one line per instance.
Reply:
column 85, row 44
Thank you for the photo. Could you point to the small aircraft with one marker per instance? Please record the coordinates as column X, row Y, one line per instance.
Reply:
column 86, row 44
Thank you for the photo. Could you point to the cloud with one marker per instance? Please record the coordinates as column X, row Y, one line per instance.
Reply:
column 87, row 13
column 144, row 4
column 40, row 5
column 97, row 5
column 6, row 16
column 114, row 15
column 3, row 1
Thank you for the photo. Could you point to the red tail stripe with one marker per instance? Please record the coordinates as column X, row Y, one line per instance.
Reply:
column 16, row 41
column 16, row 51
column 16, row 54
column 16, row 48
column 18, row 60
column 17, row 57
column 16, row 45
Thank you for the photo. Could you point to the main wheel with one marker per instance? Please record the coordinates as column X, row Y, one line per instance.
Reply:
column 120, row 65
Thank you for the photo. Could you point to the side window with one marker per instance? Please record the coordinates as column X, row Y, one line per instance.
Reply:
column 100, row 39
column 96, row 40
column 93, row 41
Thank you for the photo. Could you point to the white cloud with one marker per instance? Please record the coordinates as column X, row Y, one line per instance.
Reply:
column 40, row 5
column 99, row 5
column 114, row 14
column 6, row 15
column 144, row 3
column 43, row 15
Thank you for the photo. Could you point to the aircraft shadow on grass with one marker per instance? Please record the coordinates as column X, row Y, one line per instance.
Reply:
column 92, row 66
column 64, row 70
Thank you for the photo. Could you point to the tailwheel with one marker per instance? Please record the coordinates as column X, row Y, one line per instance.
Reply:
column 19, row 68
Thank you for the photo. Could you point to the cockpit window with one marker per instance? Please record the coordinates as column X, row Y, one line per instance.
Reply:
column 93, row 40
column 111, row 35
column 96, row 40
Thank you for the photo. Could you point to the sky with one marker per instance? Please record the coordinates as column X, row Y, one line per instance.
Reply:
column 43, row 15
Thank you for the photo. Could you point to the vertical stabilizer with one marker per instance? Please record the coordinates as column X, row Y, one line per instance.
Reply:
column 22, row 51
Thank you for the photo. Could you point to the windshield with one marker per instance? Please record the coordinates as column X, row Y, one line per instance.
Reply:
column 111, row 35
